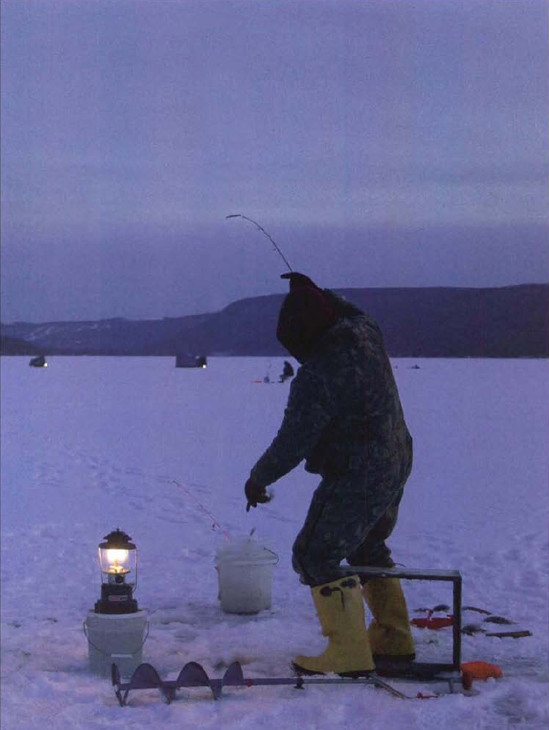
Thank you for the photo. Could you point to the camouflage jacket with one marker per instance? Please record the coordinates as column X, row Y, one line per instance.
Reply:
column 343, row 412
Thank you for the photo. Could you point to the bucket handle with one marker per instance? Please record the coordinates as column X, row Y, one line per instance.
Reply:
column 273, row 553
column 269, row 551
column 85, row 628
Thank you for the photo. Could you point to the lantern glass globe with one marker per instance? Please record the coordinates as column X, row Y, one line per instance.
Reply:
column 117, row 561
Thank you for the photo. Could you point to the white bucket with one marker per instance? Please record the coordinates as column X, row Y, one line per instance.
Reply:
column 115, row 639
column 244, row 569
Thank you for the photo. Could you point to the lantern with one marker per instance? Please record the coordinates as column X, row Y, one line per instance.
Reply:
column 115, row 628
column 118, row 563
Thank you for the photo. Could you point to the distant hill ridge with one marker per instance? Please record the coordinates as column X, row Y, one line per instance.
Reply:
column 510, row 321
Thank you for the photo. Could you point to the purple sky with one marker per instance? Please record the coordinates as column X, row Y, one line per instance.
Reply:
column 380, row 142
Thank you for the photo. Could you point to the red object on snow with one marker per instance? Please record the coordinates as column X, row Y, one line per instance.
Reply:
column 433, row 623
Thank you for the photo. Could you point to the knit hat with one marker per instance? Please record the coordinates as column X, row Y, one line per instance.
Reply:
column 305, row 315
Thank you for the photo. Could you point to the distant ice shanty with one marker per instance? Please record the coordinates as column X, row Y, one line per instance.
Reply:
column 190, row 361
column 38, row 362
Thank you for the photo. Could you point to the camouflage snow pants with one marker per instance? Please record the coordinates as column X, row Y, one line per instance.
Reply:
column 345, row 521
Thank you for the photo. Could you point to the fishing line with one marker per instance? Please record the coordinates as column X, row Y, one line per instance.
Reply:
column 271, row 239
column 215, row 524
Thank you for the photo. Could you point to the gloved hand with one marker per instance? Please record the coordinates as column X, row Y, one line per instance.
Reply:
column 255, row 494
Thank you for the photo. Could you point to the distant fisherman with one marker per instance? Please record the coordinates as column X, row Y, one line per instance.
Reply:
column 344, row 417
column 287, row 372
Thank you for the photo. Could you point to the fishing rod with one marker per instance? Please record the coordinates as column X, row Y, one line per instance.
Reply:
column 271, row 239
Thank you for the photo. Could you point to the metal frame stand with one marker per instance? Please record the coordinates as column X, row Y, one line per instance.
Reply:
column 452, row 576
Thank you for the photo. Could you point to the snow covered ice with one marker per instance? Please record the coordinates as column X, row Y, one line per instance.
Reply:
column 92, row 444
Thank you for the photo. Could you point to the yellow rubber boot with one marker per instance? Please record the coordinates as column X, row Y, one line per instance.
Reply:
column 389, row 632
column 340, row 610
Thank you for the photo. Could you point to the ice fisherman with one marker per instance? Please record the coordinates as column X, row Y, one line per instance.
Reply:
column 287, row 372
column 344, row 417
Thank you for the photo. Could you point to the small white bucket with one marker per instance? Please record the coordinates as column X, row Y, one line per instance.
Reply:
column 115, row 639
column 244, row 571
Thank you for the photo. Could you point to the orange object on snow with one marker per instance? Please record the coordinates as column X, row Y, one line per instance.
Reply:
column 479, row 670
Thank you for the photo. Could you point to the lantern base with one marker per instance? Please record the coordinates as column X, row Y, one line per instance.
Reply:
column 116, row 599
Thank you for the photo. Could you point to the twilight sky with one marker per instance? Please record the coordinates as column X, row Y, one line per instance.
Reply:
column 379, row 142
